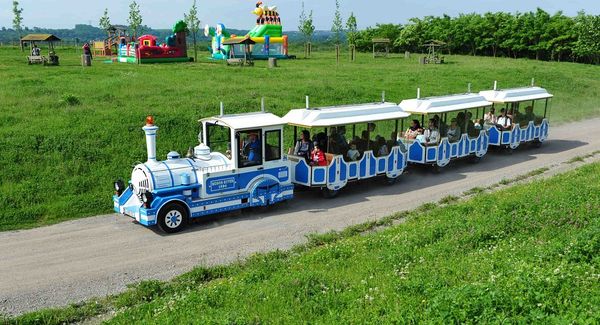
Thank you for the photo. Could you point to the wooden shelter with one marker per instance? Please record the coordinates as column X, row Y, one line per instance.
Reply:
column 246, row 42
column 432, row 55
column 378, row 45
column 31, row 39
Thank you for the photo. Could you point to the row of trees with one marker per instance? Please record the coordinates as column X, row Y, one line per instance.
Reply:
column 536, row 35
column 339, row 34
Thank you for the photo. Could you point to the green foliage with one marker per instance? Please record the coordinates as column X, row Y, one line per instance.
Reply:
column 337, row 27
column 508, row 257
column 104, row 22
column 306, row 25
column 17, row 17
column 536, row 35
column 86, row 147
column 193, row 23
column 135, row 18
column 351, row 29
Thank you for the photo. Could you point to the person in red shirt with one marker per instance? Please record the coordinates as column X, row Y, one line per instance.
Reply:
column 318, row 156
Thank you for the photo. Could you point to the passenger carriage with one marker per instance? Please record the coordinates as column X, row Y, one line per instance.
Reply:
column 355, row 120
column 239, row 163
column 472, row 142
column 529, row 106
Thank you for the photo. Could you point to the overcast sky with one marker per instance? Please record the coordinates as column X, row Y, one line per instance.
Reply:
column 236, row 13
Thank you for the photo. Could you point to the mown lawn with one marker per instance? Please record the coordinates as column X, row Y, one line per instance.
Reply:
column 66, row 133
column 525, row 254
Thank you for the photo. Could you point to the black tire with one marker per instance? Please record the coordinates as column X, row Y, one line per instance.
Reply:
column 537, row 144
column 329, row 194
column 508, row 150
column 474, row 159
column 172, row 218
column 391, row 180
column 436, row 169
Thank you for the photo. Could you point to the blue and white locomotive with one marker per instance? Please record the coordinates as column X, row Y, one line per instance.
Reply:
column 247, row 169
column 240, row 161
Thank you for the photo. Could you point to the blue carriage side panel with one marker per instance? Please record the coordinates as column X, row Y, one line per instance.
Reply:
column 431, row 153
column 381, row 163
column 353, row 170
column 343, row 170
column 319, row 175
column 416, row 152
column 362, row 166
column 506, row 137
column 302, row 173
column 494, row 135
column 372, row 165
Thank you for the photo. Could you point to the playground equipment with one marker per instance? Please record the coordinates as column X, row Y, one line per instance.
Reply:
column 110, row 45
column 147, row 50
column 267, row 36
column 37, row 58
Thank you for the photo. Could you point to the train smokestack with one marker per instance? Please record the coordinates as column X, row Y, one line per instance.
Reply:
column 150, row 130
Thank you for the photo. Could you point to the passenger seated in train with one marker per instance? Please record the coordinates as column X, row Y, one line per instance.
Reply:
column 490, row 118
column 304, row 146
column 337, row 140
column 398, row 142
column 528, row 116
column 393, row 141
column 454, row 132
column 318, row 156
column 471, row 130
column 382, row 148
column 352, row 154
column 432, row 133
column 504, row 120
column 252, row 150
column 321, row 138
column 442, row 127
column 478, row 124
column 364, row 143
column 414, row 130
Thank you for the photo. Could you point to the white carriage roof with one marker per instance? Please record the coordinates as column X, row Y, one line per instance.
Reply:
column 515, row 94
column 344, row 115
column 443, row 104
column 247, row 120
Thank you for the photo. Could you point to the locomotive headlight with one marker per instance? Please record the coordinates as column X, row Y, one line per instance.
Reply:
column 119, row 187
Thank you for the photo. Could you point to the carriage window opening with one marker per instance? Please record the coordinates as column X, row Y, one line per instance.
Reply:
column 218, row 138
column 272, row 145
column 249, row 147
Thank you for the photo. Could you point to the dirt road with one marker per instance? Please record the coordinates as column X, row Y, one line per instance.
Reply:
column 76, row 260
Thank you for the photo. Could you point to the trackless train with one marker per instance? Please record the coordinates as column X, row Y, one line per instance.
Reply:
column 240, row 160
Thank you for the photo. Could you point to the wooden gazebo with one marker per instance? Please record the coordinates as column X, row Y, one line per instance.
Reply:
column 52, row 58
column 378, row 45
column 246, row 42
column 432, row 55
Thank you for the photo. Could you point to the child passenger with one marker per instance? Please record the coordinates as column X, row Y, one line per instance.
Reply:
column 318, row 156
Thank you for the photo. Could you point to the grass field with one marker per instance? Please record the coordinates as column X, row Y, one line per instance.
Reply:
column 66, row 133
column 505, row 257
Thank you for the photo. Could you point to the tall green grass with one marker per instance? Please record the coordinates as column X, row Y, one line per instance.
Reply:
column 525, row 254
column 67, row 132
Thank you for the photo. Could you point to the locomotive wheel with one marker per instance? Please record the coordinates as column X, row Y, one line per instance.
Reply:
column 329, row 194
column 172, row 218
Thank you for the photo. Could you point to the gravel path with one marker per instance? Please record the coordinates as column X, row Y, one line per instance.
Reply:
column 97, row 256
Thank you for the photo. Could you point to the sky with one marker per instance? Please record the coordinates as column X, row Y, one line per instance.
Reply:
column 236, row 13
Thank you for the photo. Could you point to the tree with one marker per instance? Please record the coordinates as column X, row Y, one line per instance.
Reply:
column 194, row 26
column 338, row 26
column 104, row 22
column 351, row 29
column 307, row 28
column 135, row 18
column 18, row 18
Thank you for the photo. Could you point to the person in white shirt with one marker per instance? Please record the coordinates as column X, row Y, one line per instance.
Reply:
column 490, row 117
column 504, row 120
column 432, row 134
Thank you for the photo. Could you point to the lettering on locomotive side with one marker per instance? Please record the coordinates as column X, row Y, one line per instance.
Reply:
column 222, row 184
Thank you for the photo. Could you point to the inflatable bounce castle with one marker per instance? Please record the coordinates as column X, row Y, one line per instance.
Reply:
column 147, row 50
column 267, row 34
